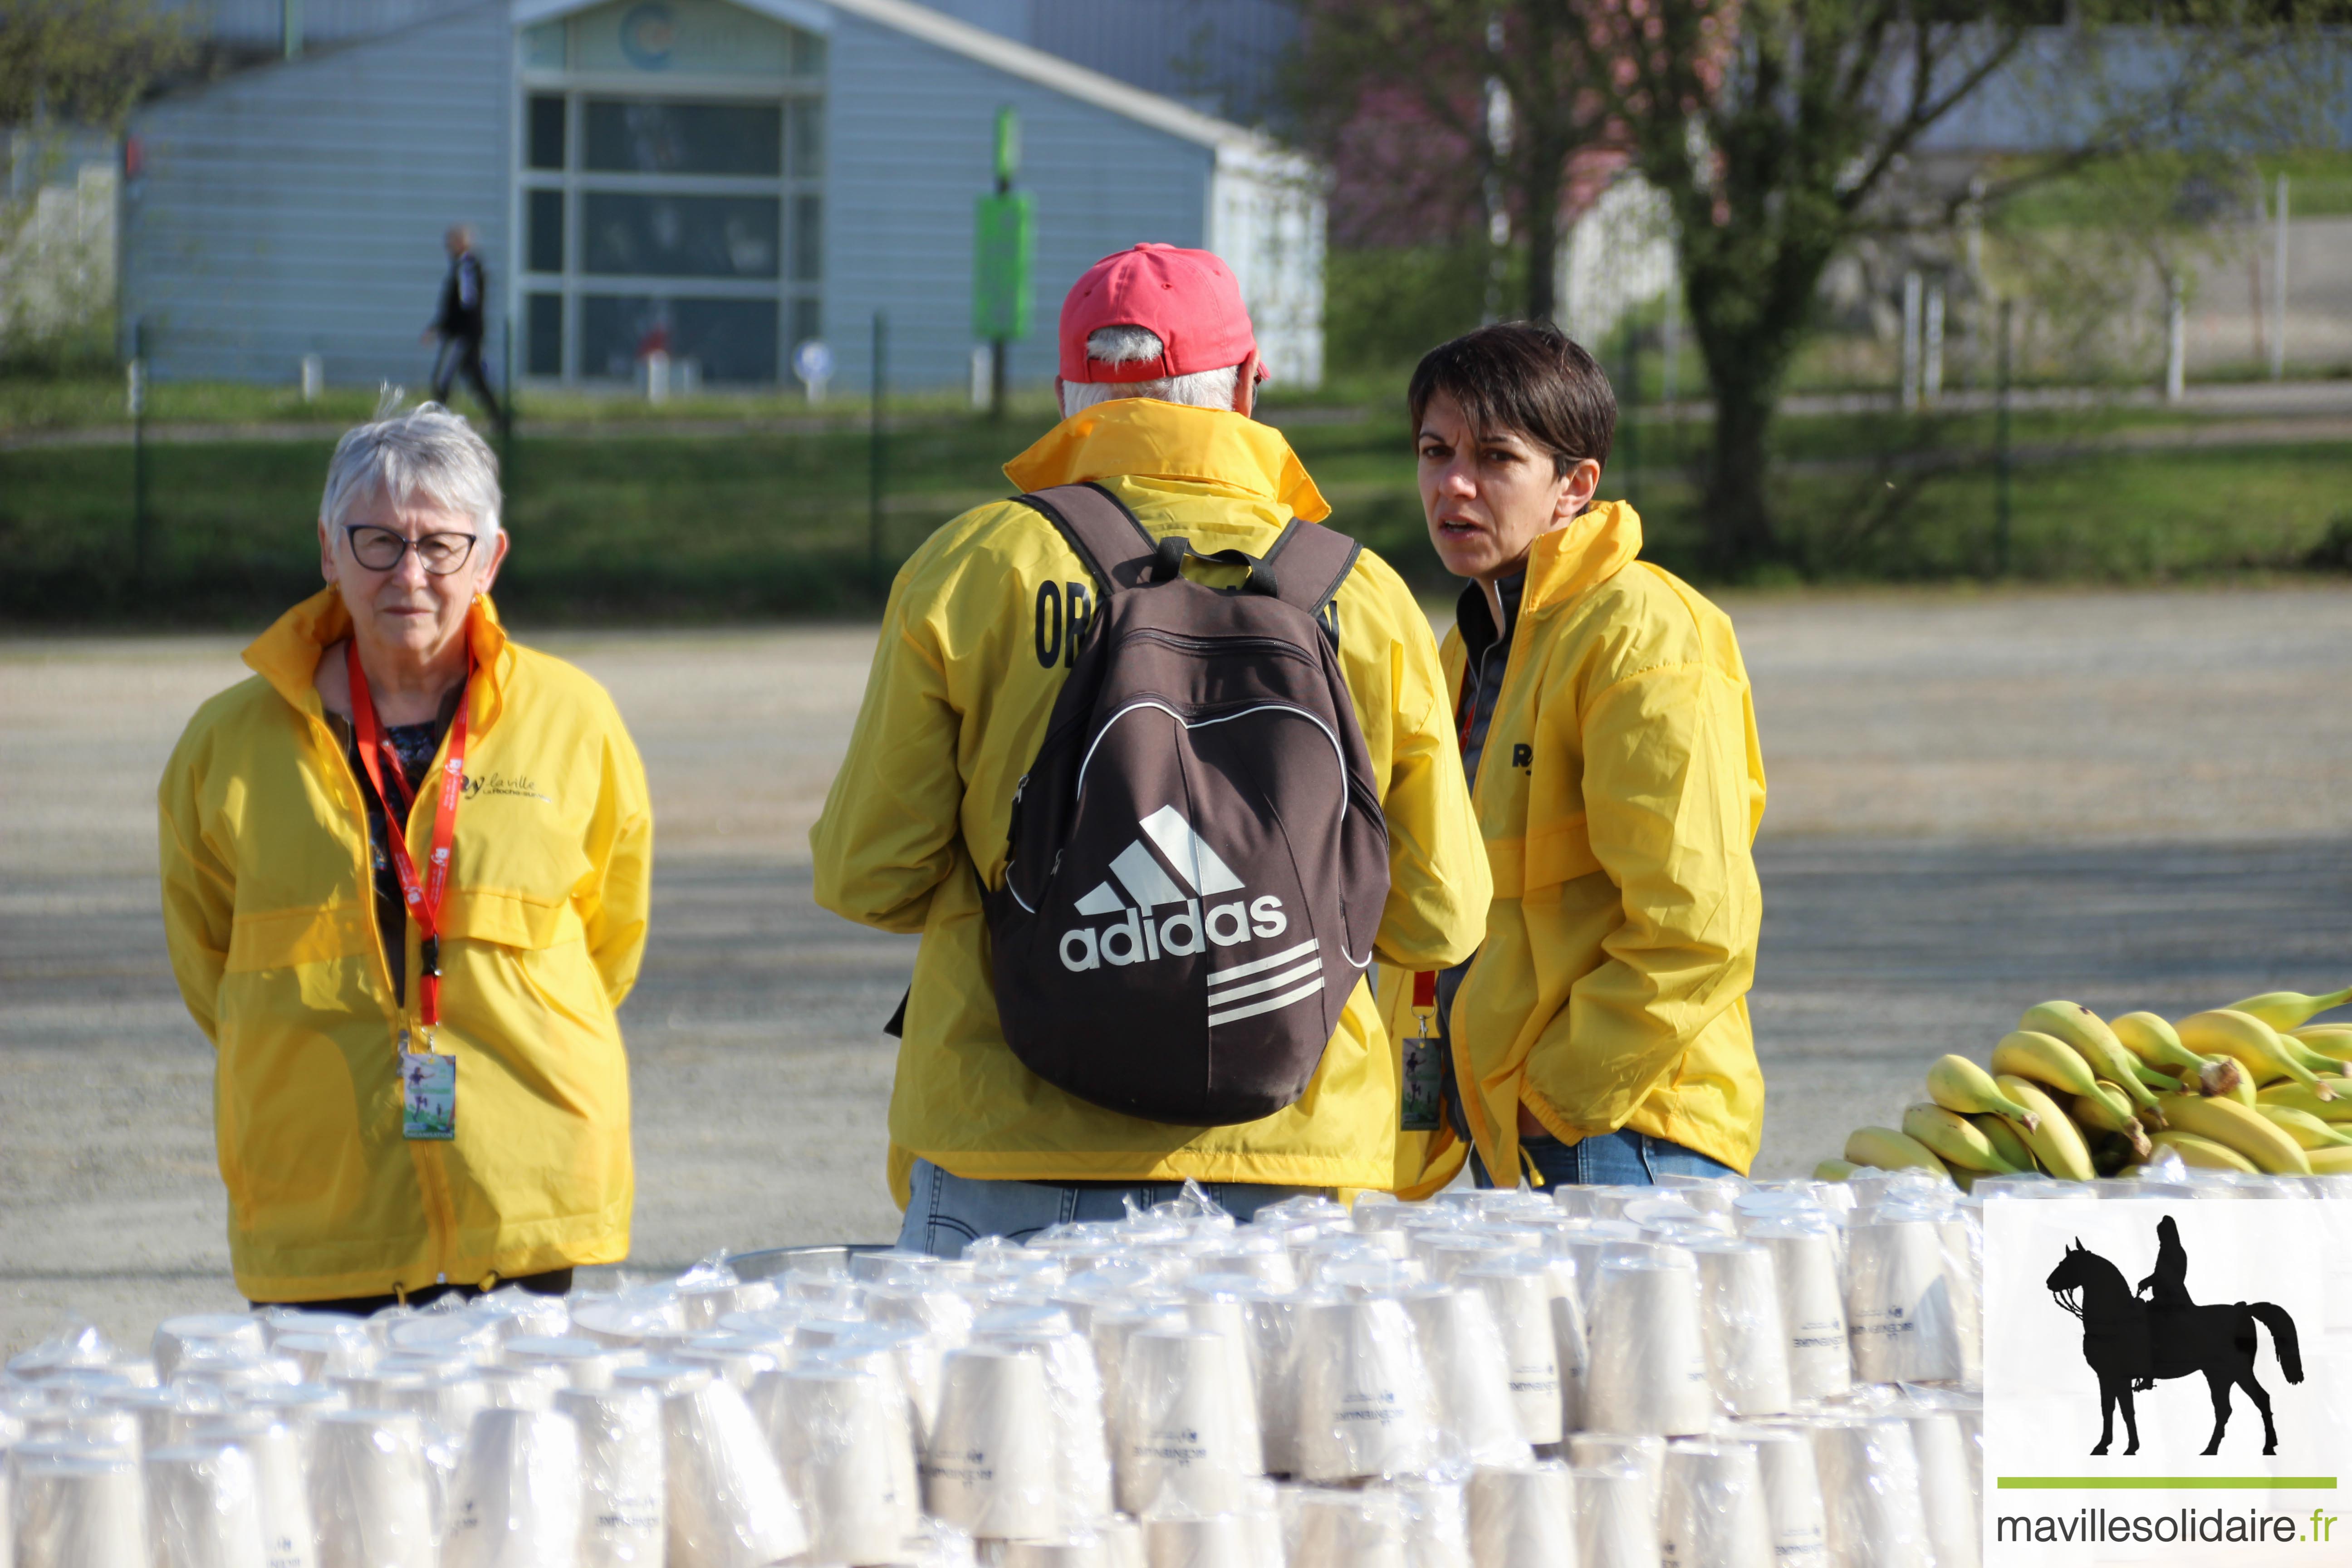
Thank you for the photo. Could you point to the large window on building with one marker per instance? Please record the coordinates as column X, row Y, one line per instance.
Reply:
column 670, row 190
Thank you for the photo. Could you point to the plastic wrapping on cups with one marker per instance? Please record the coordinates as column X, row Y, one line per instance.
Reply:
column 1218, row 1541
column 850, row 1355
column 626, row 1320
column 1898, row 1299
column 624, row 1481
column 833, row 1432
column 725, row 1496
column 1806, row 1270
column 525, row 1387
column 74, row 1342
column 166, row 1416
column 1364, row 1404
column 1870, row 1492
column 93, row 1427
column 1435, row 1517
column 1081, row 1466
column 1640, row 1453
column 1110, row 1328
column 1571, row 1338
column 77, row 1510
column 1948, row 1495
column 370, row 1497
column 518, row 1497
column 434, row 1332
column 1961, row 1235
column 322, row 1356
column 1711, row 1508
column 1179, row 1440
column 1746, row 1343
column 1587, row 1245
column 988, row 1467
column 1616, row 1518
column 1649, row 1371
column 738, row 1358
column 1325, row 1527
column 1519, row 1289
column 1477, row 1419
column 1269, row 1320
column 1792, row 1493
column 282, row 1461
column 1223, row 1315
column 519, row 1313
column 222, row 1335
column 1521, row 1516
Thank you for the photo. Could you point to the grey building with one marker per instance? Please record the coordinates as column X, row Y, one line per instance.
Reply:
column 718, row 179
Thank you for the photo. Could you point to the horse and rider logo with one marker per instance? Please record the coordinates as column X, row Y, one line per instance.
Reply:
column 2133, row 1343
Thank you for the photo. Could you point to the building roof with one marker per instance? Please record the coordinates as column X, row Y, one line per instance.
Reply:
column 979, row 45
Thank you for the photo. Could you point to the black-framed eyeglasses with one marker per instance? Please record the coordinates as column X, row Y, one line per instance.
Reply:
column 380, row 549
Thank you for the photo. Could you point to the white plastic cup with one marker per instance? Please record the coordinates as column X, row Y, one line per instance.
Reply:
column 1898, row 1304
column 1519, row 1292
column 1223, row 1317
column 281, row 1454
column 583, row 1362
column 1571, row 1340
column 988, row 1469
column 1616, row 1518
column 1521, row 1516
column 1649, row 1359
column 227, row 1336
column 624, row 1519
column 1793, row 1494
column 1964, row 1274
column 368, row 1494
column 204, row 1508
column 1477, row 1420
column 1331, row 1529
column 1436, row 1520
column 166, row 1416
column 1364, row 1401
column 1870, row 1492
column 1644, row 1455
column 1178, row 1439
column 1218, row 1541
column 1082, row 1464
column 1747, row 1344
column 1946, row 1487
column 834, row 1439
column 322, row 1356
column 518, row 1497
column 78, row 1510
column 1812, row 1308
column 1712, row 1512
column 726, row 1501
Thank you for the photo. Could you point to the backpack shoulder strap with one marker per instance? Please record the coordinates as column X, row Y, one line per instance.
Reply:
column 1115, row 546
column 1309, row 563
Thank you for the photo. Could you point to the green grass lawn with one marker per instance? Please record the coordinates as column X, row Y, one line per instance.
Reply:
column 670, row 528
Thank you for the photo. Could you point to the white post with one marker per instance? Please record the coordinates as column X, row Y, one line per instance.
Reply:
column 657, row 376
column 314, row 377
column 1669, row 335
column 1911, row 292
column 2175, row 343
column 2278, row 289
column 135, row 387
column 981, row 366
column 1931, row 374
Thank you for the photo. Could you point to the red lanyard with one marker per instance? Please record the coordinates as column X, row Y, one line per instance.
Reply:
column 423, row 899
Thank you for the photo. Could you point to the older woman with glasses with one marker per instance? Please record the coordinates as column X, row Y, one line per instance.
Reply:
column 406, row 869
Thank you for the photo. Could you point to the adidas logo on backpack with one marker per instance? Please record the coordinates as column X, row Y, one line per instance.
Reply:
column 1196, row 985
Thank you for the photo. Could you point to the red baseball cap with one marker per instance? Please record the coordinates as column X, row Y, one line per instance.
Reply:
column 1188, row 299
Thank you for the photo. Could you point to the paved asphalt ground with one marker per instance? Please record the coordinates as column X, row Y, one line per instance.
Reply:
column 1976, row 803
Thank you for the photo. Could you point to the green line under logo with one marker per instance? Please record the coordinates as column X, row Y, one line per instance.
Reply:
column 2166, row 1483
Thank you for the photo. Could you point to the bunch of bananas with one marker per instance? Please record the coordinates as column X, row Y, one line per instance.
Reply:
column 2254, row 1087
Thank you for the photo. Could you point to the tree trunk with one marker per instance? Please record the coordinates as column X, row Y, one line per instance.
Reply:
column 1740, row 533
column 1542, row 205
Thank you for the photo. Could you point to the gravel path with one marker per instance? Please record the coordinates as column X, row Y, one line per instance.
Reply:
column 1976, row 803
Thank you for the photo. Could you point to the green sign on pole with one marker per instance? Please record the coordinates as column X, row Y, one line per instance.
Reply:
column 1003, row 241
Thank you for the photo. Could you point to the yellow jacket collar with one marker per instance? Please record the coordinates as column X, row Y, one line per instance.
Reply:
column 1587, row 552
column 1144, row 438
column 287, row 654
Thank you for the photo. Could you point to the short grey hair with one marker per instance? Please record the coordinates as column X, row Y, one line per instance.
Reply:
column 427, row 454
column 1126, row 345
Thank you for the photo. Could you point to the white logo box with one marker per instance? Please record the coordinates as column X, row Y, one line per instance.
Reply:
column 2042, row 1409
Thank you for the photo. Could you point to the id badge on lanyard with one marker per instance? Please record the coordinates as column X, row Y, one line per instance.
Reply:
column 428, row 1081
column 1421, row 1103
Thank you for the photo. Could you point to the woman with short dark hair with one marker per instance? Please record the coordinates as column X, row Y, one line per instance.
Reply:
column 406, row 871
column 1600, row 1033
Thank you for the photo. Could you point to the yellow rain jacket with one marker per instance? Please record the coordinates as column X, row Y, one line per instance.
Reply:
column 1618, row 793
column 974, row 649
column 269, row 908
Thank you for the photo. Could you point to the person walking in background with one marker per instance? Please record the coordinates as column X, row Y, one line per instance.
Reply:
column 1601, row 1035
column 405, row 873
column 1159, row 377
column 459, row 324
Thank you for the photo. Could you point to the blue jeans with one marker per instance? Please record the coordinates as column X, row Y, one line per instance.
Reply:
column 946, row 1213
column 1622, row 1159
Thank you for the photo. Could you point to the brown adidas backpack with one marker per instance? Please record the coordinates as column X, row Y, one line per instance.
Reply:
column 1198, row 861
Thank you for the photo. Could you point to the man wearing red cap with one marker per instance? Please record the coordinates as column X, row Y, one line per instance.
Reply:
column 1159, row 377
